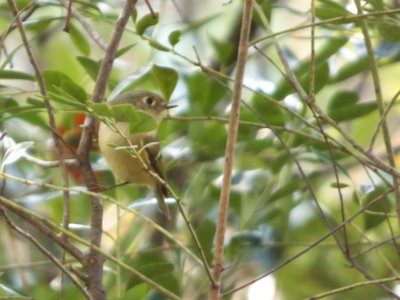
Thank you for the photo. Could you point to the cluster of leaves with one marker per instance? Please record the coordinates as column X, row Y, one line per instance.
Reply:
column 273, row 213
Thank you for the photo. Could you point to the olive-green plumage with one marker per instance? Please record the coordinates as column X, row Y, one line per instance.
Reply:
column 124, row 166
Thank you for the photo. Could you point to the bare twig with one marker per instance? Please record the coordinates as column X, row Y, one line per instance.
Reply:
column 86, row 25
column 354, row 286
column 215, row 289
column 68, row 17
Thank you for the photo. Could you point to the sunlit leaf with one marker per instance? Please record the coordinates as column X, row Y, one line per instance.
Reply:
column 166, row 79
column 15, row 152
column 146, row 22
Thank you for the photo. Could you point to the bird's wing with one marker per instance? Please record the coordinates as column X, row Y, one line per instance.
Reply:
column 153, row 151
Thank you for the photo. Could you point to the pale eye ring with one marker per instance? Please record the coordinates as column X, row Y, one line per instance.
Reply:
column 149, row 100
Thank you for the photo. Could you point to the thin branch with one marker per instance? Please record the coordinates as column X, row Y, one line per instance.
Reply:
column 379, row 99
column 86, row 25
column 383, row 117
column 40, row 224
column 354, row 286
column 68, row 17
column 326, row 22
column 46, row 253
column 215, row 289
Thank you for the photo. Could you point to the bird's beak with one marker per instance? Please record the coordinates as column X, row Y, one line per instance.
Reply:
column 168, row 106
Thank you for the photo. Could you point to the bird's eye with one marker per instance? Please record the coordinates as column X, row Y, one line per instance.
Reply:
column 149, row 100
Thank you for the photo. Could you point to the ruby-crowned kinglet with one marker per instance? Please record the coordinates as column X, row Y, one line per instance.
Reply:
column 126, row 167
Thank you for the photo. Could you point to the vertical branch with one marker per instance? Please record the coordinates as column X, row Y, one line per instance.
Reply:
column 94, row 260
column 215, row 289
column 379, row 100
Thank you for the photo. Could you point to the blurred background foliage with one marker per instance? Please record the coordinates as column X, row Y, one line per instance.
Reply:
column 189, row 50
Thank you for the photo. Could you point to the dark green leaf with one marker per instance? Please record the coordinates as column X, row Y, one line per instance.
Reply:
column 102, row 110
column 342, row 98
column 38, row 25
column 327, row 9
column 341, row 185
column 286, row 190
column 146, row 22
column 124, row 113
column 166, row 79
column 330, row 47
column 79, row 40
column 381, row 206
column 8, row 74
column 389, row 29
column 205, row 233
column 174, row 37
column 351, row 69
column 144, row 123
column 223, row 49
column 268, row 110
column 158, row 46
column 134, row 15
column 350, row 112
column 54, row 79
column 76, row 91
column 155, row 266
column 91, row 66
column 123, row 50
column 204, row 93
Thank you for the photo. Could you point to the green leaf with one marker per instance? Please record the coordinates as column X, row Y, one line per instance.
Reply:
column 79, row 40
column 327, row 9
column 341, row 98
column 91, row 66
column 8, row 74
column 285, row 190
column 62, row 97
column 38, row 25
column 158, row 46
column 351, row 69
column 174, row 37
column 146, row 22
column 204, row 93
column 381, row 206
column 102, row 110
column 337, row 185
column 134, row 15
column 7, row 102
column 350, row 112
column 268, row 110
column 321, row 77
column 166, row 79
column 326, row 50
column 205, row 233
column 73, row 89
column 124, row 113
column 223, row 49
column 54, row 79
column 144, row 123
column 123, row 50
column 156, row 266
column 389, row 29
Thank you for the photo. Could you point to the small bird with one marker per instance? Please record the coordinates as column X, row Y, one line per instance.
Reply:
column 124, row 165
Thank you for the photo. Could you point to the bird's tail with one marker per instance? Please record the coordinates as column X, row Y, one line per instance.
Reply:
column 161, row 193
